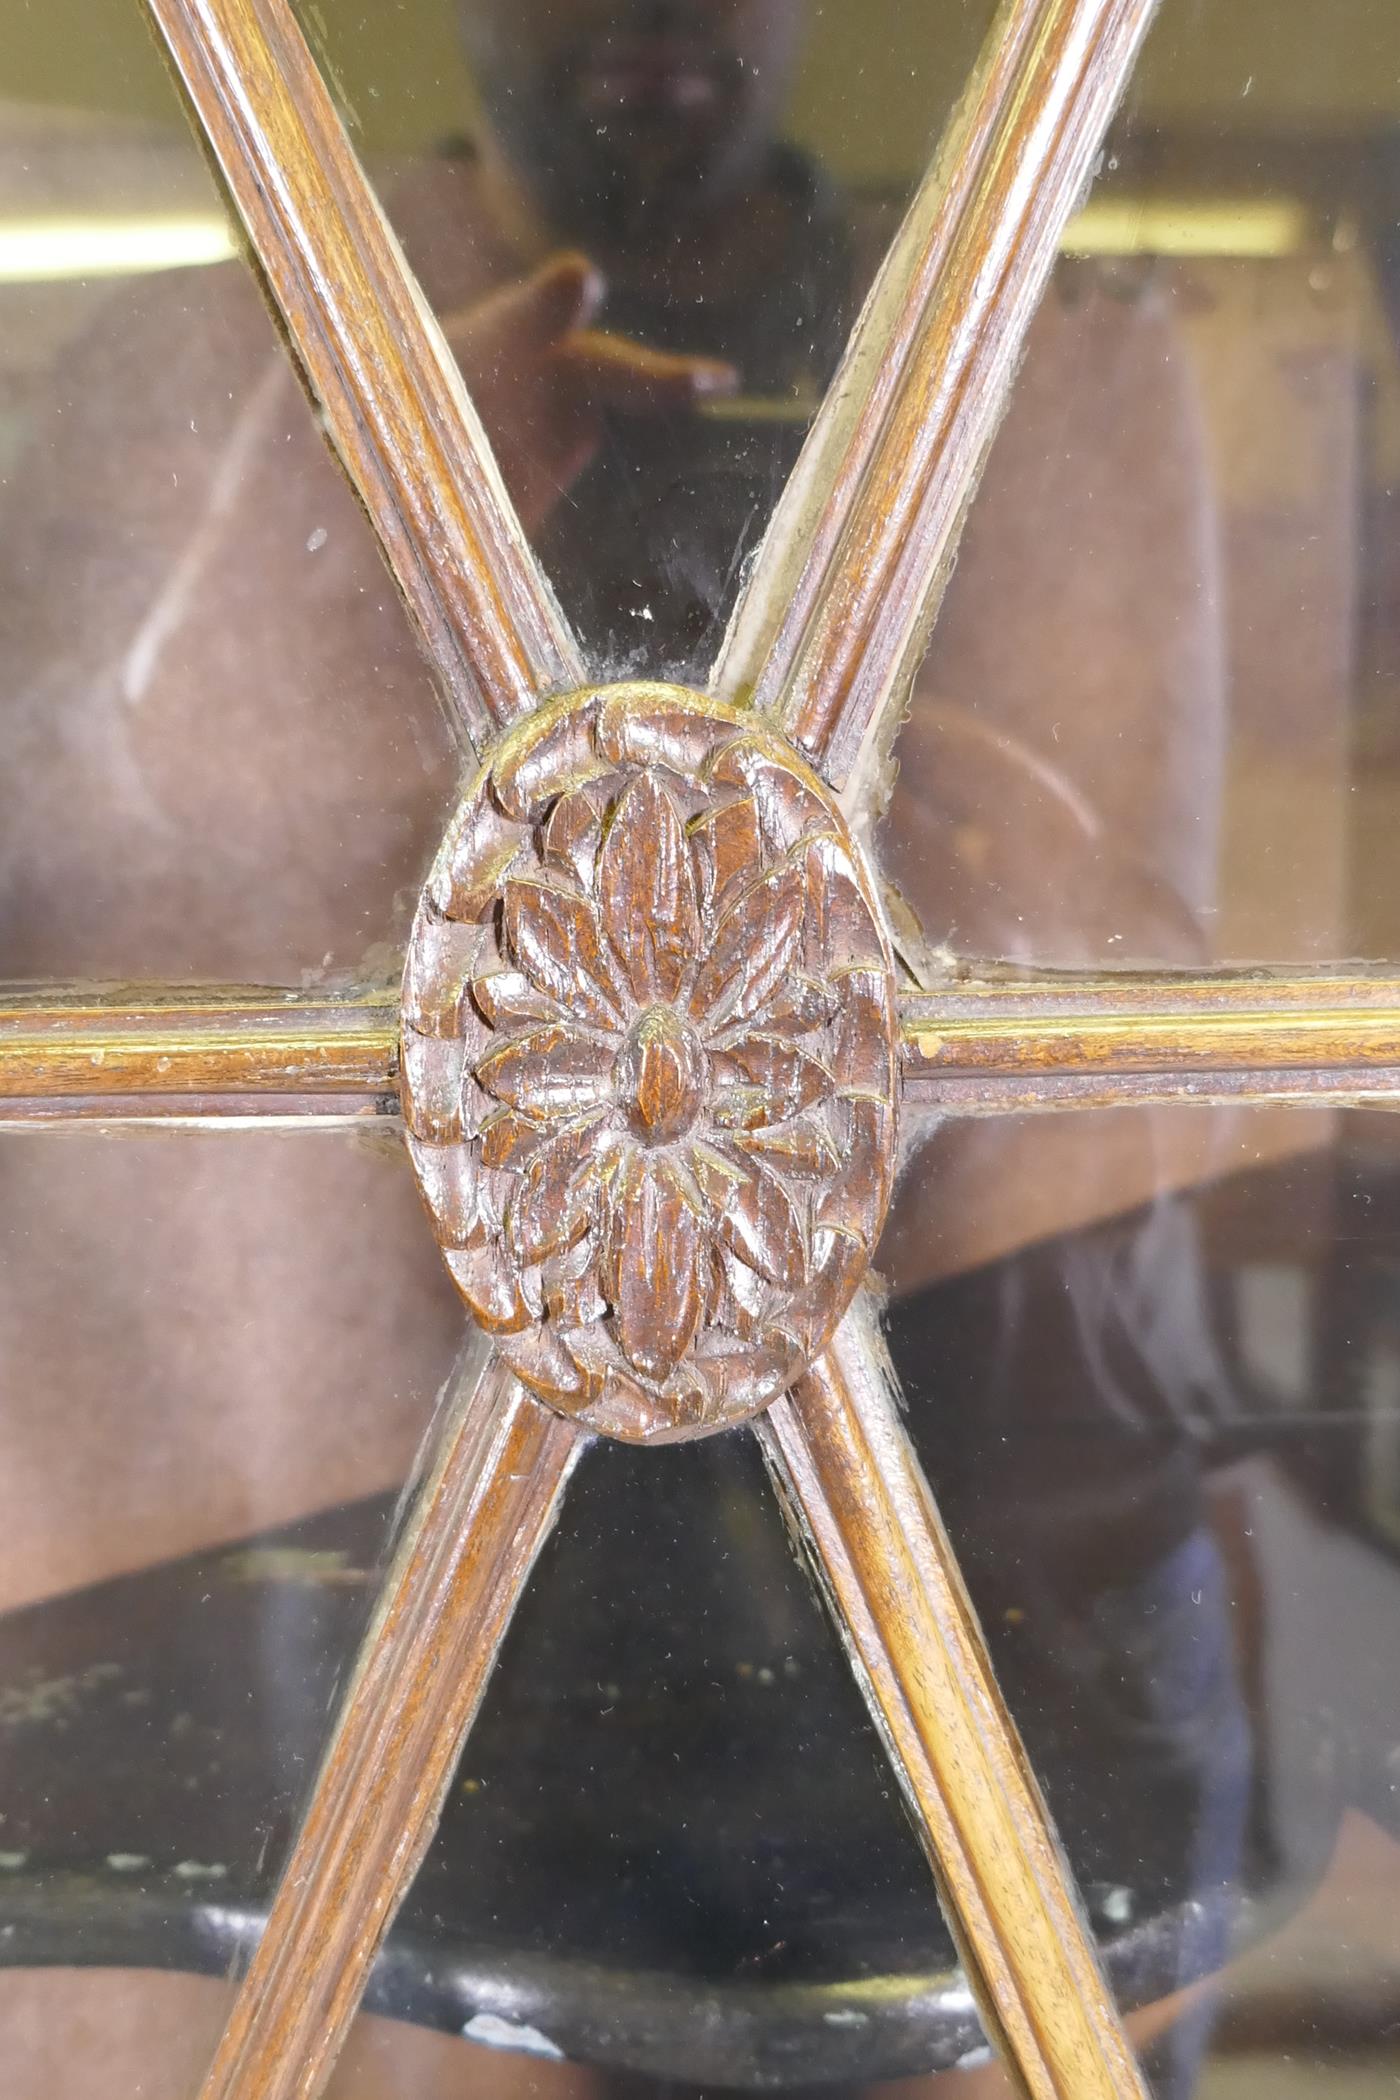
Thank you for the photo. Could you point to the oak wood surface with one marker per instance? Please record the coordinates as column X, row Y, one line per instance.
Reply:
column 991, row 1046
column 837, row 609
column 214, row 1051
column 649, row 1064
column 386, row 384
column 485, row 1509
column 844, row 1466
column 146, row 1054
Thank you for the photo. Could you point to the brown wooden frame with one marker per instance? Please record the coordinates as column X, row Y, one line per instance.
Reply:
column 977, row 1045
column 830, row 626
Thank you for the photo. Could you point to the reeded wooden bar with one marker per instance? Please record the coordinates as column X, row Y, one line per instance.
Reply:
column 845, row 1468
column 989, row 1046
column 385, row 381
column 206, row 1051
column 481, row 1518
column 236, row 1054
column 846, row 584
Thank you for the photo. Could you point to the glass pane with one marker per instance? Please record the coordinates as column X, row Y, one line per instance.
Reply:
column 1161, row 1411
column 731, row 172
column 218, row 1357
column 673, row 1846
column 1158, row 722
column 220, row 752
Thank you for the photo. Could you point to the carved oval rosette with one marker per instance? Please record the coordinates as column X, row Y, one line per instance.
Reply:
column 649, row 1059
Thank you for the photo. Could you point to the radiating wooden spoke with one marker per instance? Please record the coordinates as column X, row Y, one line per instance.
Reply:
column 485, row 1509
column 386, row 382
column 198, row 1053
column 839, row 603
column 990, row 1046
column 844, row 1465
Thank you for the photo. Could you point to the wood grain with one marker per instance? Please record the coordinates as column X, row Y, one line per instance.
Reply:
column 234, row 1054
column 385, row 382
column 485, row 1510
column 837, row 610
column 995, row 1045
column 649, row 1061
column 208, row 1051
column 844, row 1467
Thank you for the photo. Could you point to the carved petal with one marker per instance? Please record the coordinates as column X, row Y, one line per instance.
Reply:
column 550, row 753
column 474, row 856
column 863, row 1058
column 540, row 1360
column 787, row 793
column 788, row 1080
column 799, row 1148
column 549, row 1072
column 796, row 1005
column 508, row 999
column 593, row 1349
column 644, row 725
column 840, row 922
column 753, row 1214
column 728, row 851
column 659, row 1244
column 757, row 943
column 441, row 958
column 452, row 1187
column 626, row 1410
column 432, row 1067
column 741, row 1381
column 571, row 1294
column 556, row 938
column 647, row 886
column 808, row 1320
column 857, row 1193
column 743, row 1299
column 509, row 1139
column 573, row 834
column 487, row 1281
column 556, row 1200
column 739, row 1107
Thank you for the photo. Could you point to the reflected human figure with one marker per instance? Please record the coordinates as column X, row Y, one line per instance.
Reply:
column 216, row 674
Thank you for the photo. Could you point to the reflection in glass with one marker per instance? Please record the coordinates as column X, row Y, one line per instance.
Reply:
column 720, row 178
column 1157, row 721
column 1161, row 1413
column 1162, row 1418
column 223, row 751
column 218, row 1357
column 220, row 753
column 1157, row 1413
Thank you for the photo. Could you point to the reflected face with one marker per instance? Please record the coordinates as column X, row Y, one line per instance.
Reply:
column 621, row 115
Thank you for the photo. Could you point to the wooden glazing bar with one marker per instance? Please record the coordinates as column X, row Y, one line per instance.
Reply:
column 846, row 1471
column 838, row 607
column 209, row 1112
column 1027, row 1093
column 480, row 1520
column 392, row 398
column 1092, row 1040
column 197, row 1050
column 209, row 1053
